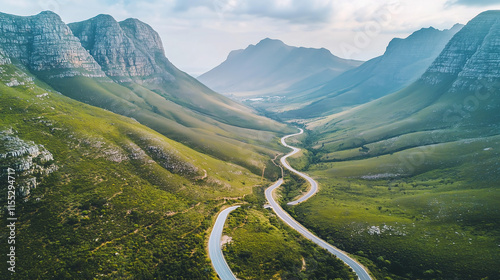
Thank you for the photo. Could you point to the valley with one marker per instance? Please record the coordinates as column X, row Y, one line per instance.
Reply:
column 126, row 167
column 409, row 181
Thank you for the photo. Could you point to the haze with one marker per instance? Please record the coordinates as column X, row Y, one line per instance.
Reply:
column 198, row 35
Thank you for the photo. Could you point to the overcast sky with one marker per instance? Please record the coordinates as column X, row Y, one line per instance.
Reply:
column 198, row 34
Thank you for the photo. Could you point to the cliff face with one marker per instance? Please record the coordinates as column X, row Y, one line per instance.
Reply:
column 127, row 51
column 471, row 57
column 44, row 43
column 3, row 59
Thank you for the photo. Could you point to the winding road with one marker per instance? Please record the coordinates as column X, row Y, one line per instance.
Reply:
column 214, row 247
column 360, row 271
column 314, row 184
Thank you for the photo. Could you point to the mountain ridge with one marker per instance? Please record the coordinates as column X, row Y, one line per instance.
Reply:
column 272, row 65
column 452, row 93
column 44, row 37
column 403, row 62
column 147, row 87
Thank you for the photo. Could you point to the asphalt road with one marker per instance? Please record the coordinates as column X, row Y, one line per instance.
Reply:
column 356, row 267
column 314, row 184
column 214, row 248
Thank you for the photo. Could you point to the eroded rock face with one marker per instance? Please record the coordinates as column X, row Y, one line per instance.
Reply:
column 30, row 161
column 3, row 59
column 129, row 50
column 472, row 57
column 44, row 43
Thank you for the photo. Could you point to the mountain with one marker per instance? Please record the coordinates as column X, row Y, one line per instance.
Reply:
column 101, row 194
column 131, row 52
column 126, row 50
column 44, row 44
column 122, row 67
column 272, row 67
column 458, row 92
column 411, row 180
column 95, row 190
column 403, row 62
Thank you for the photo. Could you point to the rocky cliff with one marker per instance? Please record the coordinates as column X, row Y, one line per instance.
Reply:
column 472, row 56
column 3, row 58
column 43, row 43
column 30, row 161
column 129, row 50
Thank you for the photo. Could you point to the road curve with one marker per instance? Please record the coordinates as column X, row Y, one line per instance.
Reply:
column 314, row 184
column 356, row 267
column 214, row 248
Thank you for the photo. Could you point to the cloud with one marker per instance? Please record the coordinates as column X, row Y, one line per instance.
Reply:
column 294, row 11
column 476, row 3
column 198, row 34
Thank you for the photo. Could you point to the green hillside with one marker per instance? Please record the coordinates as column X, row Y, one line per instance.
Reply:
column 113, row 198
column 136, row 80
column 242, row 145
column 411, row 180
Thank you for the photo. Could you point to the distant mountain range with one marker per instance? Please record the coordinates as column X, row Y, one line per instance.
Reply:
column 305, row 83
column 403, row 62
column 272, row 67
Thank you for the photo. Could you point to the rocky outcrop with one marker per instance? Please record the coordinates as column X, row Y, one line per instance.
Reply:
column 172, row 162
column 4, row 59
column 30, row 161
column 44, row 43
column 13, row 78
column 471, row 57
column 127, row 51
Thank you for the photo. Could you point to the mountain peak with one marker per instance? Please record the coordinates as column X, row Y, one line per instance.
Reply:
column 135, row 22
column 274, row 66
column 125, row 50
column 419, row 41
column 271, row 42
column 457, row 27
column 142, row 32
column 57, row 51
column 103, row 17
column 48, row 13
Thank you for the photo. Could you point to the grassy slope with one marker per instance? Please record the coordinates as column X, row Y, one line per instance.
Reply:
column 262, row 247
column 411, row 163
column 427, row 227
column 136, row 216
column 441, row 222
column 245, row 145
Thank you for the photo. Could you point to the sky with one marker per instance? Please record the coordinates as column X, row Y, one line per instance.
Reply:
column 199, row 34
